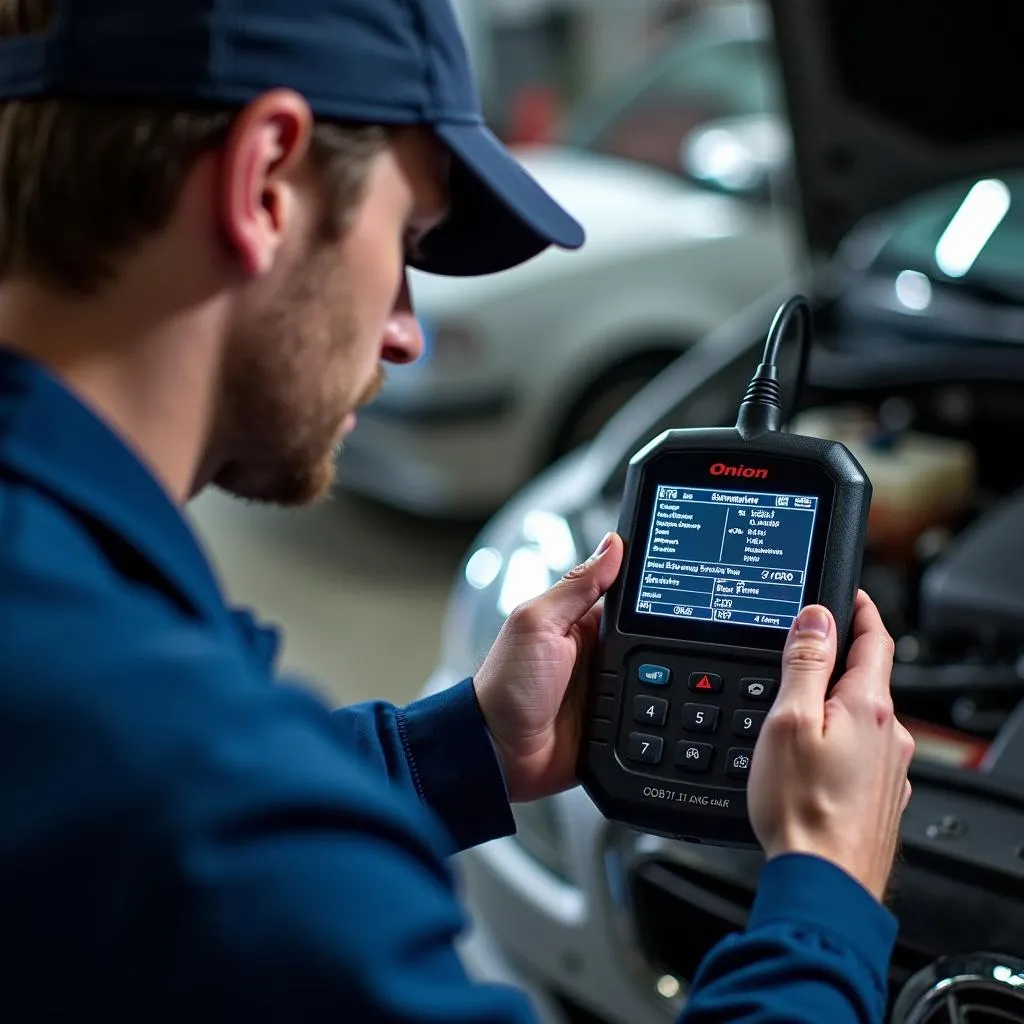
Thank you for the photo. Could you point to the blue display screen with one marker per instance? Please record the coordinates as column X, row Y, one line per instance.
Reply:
column 727, row 556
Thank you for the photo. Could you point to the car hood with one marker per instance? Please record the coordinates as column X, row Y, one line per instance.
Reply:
column 626, row 208
column 888, row 100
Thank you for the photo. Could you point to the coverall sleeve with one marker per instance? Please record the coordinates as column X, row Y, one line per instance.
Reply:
column 440, row 748
column 301, row 887
column 816, row 951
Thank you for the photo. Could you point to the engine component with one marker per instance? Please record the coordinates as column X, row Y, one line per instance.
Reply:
column 977, row 587
column 945, row 746
column 1005, row 758
column 921, row 481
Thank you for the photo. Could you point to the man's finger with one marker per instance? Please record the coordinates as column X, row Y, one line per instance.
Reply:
column 579, row 590
column 807, row 663
column 869, row 663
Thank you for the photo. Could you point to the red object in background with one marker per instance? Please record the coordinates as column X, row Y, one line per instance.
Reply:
column 946, row 746
column 533, row 117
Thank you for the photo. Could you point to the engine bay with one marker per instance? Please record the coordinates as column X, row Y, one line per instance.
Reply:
column 945, row 553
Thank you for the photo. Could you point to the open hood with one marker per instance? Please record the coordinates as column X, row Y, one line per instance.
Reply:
column 888, row 100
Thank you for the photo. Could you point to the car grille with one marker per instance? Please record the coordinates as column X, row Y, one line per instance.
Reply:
column 980, row 988
column 968, row 1004
column 681, row 912
column 974, row 1014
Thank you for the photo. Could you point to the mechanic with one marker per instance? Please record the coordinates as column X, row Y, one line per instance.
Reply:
column 207, row 208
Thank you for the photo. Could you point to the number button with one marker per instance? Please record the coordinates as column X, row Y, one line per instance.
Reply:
column 700, row 718
column 747, row 723
column 737, row 762
column 705, row 682
column 652, row 710
column 757, row 689
column 645, row 749
column 653, row 675
column 693, row 757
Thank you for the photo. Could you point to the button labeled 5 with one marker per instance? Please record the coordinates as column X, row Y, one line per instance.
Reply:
column 700, row 718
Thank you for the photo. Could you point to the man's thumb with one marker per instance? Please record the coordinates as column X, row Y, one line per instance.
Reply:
column 807, row 662
column 581, row 588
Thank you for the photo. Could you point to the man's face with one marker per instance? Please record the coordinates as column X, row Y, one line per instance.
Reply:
column 303, row 358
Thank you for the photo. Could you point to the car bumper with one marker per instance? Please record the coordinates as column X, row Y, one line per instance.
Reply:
column 459, row 460
column 486, row 963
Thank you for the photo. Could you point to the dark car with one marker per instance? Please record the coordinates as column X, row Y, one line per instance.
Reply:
column 908, row 147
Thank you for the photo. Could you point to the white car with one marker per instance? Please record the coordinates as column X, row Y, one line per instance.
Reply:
column 668, row 173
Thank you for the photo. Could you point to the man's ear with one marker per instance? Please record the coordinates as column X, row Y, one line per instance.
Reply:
column 268, row 142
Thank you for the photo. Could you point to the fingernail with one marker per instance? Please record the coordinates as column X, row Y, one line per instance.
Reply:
column 814, row 621
column 605, row 544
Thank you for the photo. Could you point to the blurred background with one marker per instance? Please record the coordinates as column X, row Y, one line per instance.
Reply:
column 614, row 105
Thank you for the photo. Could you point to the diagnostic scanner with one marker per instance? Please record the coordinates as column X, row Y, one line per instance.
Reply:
column 728, row 532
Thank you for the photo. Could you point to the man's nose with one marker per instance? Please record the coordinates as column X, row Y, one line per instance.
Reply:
column 403, row 338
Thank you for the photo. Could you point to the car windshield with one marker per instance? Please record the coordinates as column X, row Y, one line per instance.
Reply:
column 705, row 75
column 968, row 235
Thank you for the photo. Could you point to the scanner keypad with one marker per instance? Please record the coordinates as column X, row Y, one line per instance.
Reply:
column 688, row 718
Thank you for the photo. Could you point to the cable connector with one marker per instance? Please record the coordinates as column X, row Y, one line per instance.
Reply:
column 760, row 412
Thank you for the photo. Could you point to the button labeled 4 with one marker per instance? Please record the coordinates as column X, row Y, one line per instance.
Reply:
column 652, row 710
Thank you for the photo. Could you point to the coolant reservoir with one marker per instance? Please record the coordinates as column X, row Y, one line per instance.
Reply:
column 919, row 480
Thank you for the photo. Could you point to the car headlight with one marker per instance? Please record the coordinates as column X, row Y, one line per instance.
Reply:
column 513, row 560
column 516, row 558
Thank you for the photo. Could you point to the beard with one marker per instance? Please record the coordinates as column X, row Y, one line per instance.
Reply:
column 285, row 393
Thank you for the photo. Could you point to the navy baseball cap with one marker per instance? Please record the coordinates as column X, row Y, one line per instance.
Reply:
column 391, row 62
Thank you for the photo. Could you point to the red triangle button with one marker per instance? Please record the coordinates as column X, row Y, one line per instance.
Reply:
column 705, row 684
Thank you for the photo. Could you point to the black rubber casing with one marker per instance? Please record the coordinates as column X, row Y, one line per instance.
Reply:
column 665, row 799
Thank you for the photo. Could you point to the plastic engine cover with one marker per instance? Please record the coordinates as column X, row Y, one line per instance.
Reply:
column 977, row 586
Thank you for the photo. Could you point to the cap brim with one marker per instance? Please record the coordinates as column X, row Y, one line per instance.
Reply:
column 499, row 218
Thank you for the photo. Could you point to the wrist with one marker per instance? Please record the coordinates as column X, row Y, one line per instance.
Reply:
column 501, row 754
column 872, row 878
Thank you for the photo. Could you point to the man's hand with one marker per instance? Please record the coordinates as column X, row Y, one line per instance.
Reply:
column 532, row 685
column 829, row 777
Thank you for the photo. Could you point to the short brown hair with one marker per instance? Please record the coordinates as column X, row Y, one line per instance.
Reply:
column 84, row 181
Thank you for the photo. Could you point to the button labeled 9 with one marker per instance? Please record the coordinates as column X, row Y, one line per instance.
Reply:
column 747, row 723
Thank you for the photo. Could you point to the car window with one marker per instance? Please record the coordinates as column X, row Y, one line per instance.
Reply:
column 970, row 233
column 699, row 81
